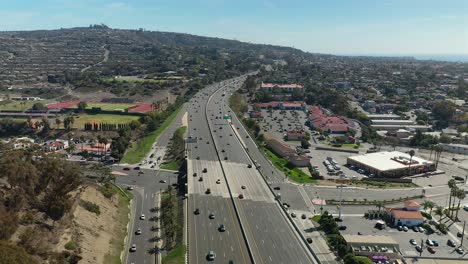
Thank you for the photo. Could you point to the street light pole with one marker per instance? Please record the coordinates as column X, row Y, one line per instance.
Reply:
column 463, row 233
column 341, row 195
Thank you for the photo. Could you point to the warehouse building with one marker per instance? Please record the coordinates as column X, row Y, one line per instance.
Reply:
column 391, row 164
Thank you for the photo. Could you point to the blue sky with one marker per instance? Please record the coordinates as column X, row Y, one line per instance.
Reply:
column 324, row 26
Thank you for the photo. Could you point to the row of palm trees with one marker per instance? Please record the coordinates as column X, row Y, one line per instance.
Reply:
column 455, row 193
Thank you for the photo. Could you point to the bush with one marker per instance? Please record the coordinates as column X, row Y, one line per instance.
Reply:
column 107, row 190
column 12, row 254
column 442, row 228
column 92, row 207
column 427, row 215
column 71, row 245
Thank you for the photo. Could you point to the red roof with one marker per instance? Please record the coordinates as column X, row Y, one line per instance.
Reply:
column 412, row 204
column 403, row 214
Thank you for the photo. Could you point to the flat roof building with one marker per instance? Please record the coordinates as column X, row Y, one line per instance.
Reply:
column 384, row 117
column 391, row 164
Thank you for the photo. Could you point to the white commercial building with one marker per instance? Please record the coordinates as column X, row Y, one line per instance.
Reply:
column 391, row 164
column 455, row 148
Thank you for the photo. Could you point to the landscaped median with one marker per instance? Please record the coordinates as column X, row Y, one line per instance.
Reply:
column 177, row 151
column 139, row 149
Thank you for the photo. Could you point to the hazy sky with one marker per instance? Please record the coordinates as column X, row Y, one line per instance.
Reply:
column 325, row 26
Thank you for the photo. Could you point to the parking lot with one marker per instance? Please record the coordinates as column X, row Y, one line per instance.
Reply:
column 367, row 227
column 278, row 122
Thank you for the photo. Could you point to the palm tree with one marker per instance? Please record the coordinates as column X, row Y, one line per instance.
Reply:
column 431, row 206
column 411, row 153
column 379, row 205
column 451, row 184
column 438, row 152
column 426, row 204
column 461, row 195
column 439, row 211
column 455, row 192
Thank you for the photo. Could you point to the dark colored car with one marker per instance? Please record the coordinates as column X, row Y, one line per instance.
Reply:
column 208, row 191
column 205, row 170
column 197, row 211
column 249, row 166
column 309, row 240
column 342, row 228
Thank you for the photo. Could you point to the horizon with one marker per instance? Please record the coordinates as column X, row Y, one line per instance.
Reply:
column 362, row 28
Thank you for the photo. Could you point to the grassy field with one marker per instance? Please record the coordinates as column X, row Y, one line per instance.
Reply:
column 294, row 174
column 103, row 118
column 117, row 242
column 173, row 165
column 176, row 256
column 139, row 149
column 18, row 105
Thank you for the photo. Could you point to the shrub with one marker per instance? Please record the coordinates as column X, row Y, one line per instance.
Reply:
column 442, row 228
column 71, row 245
column 427, row 215
column 107, row 190
column 92, row 207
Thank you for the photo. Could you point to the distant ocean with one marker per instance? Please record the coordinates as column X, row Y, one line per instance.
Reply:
column 436, row 57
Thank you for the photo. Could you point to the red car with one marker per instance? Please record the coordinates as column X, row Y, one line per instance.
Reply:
column 431, row 249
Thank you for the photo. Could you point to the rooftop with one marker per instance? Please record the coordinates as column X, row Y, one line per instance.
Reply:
column 271, row 85
column 412, row 204
column 375, row 240
column 389, row 160
column 403, row 214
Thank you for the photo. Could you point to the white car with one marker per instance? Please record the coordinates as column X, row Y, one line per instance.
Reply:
column 138, row 232
column 142, row 217
column 465, row 207
column 133, row 248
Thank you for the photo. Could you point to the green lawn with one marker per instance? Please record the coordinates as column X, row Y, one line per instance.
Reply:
column 117, row 241
column 294, row 174
column 108, row 107
column 316, row 218
column 102, row 118
column 176, row 256
column 173, row 165
column 139, row 149
column 18, row 105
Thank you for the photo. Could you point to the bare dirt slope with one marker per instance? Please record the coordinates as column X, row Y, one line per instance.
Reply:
column 92, row 233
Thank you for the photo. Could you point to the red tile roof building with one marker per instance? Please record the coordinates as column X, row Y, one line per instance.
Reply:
column 282, row 87
column 332, row 124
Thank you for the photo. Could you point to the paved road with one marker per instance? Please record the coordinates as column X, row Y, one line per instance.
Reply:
column 270, row 236
column 203, row 233
column 145, row 188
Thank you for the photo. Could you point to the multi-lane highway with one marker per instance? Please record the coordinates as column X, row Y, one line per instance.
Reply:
column 233, row 190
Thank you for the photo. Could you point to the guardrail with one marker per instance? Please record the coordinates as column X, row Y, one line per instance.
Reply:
column 296, row 228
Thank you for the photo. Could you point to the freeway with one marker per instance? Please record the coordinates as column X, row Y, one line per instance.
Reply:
column 268, row 233
column 204, row 234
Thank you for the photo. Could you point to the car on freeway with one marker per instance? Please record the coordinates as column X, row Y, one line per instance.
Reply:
column 211, row 256
column 241, row 196
column 162, row 181
column 205, row 170
column 460, row 250
column 136, row 168
column 222, row 228
column 138, row 231
column 429, row 242
column 200, row 179
column 309, row 240
column 195, row 174
column 451, row 243
column 208, row 191
column 211, row 216
column 249, row 166
column 413, row 242
column 431, row 249
column 418, row 248
column 198, row 157
column 225, row 158
column 197, row 211
column 130, row 188
column 218, row 181
column 223, row 151
column 277, row 188
column 133, row 248
column 243, row 187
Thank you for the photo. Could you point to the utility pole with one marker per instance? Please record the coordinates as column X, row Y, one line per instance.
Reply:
column 463, row 233
column 422, row 245
column 341, row 186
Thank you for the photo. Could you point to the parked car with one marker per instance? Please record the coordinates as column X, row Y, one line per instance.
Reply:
column 400, row 228
column 293, row 215
column 342, row 228
column 405, row 228
column 431, row 249
column 241, row 196
column 429, row 242
column 303, row 216
column 413, row 242
column 418, row 248
column 451, row 243
column 460, row 250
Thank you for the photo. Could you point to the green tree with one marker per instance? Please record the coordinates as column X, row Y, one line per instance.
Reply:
column 82, row 106
column 443, row 112
column 460, row 195
column 411, row 153
column 39, row 107
column 439, row 211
